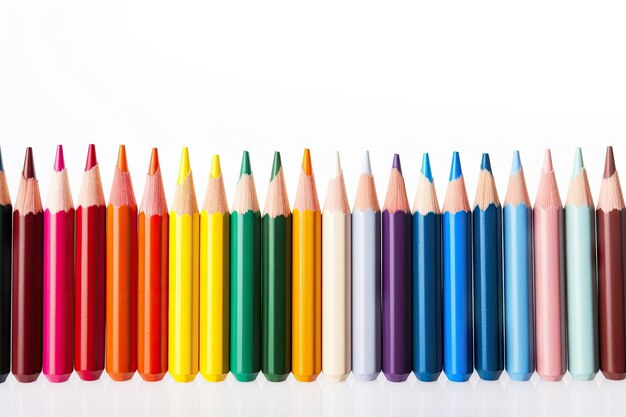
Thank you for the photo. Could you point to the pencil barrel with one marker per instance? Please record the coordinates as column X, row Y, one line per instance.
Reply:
column 276, row 262
column 427, row 297
column 214, row 295
column 27, row 324
column 396, row 295
column 245, row 295
column 582, row 292
column 366, row 295
column 519, row 292
column 58, row 295
column 458, row 356
column 6, row 230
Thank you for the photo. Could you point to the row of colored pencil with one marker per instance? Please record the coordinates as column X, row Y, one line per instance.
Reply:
column 201, row 289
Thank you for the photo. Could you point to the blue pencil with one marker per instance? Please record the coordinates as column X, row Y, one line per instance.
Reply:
column 458, row 354
column 487, row 233
column 518, row 276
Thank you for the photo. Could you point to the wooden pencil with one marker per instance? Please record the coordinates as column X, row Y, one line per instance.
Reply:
column 58, row 274
column 549, row 276
column 336, row 280
column 27, row 329
column 121, row 274
column 215, row 278
column 276, row 262
column 184, row 267
column 611, row 221
column 396, row 278
column 580, row 275
column 90, row 281
column 306, row 276
column 6, row 211
column 153, row 278
column 488, row 303
column 245, row 278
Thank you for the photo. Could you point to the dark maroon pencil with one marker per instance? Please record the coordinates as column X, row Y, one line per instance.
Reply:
column 396, row 261
column 27, row 276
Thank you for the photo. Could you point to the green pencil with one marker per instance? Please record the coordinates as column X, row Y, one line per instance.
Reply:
column 276, row 278
column 245, row 278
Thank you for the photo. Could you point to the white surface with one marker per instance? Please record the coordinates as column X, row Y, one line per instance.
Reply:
column 397, row 76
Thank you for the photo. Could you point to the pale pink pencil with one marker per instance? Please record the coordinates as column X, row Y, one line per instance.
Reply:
column 549, row 276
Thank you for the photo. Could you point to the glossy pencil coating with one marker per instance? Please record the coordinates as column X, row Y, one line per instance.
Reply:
column 215, row 279
column 245, row 278
column 90, row 270
column 153, row 284
column 306, row 278
column 336, row 280
column 458, row 356
column 58, row 284
column 366, row 282
column 27, row 306
column 580, row 273
column 276, row 275
column 184, row 277
column 121, row 275
column 611, row 222
column 549, row 277
column 6, row 211
column 518, row 277
column 488, row 303
column 396, row 279
column 427, row 279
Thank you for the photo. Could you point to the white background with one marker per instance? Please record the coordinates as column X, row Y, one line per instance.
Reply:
column 396, row 76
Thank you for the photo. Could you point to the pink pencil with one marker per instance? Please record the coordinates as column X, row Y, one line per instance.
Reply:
column 549, row 276
column 58, row 278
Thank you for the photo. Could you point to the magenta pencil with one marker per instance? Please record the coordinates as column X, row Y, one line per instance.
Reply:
column 58, row 284
column 549, row 277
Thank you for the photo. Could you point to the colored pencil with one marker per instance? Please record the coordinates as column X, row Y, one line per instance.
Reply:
column 276, row 262
column 427, row 279
column 488, row 304
column 245, row 278
column 611, row 219
column 27, row 324
column 184, row 286
column 121, row 274
column 336, row 280
column 6, row 211
column 366, row 283
column 58, row 276
column 458, row 354
column 518, row 276
column 152, row 282
column 307, row 279
column 549, row 277
column 580, row 273
column 215, row 279
column 396, row 278
column 90, row 281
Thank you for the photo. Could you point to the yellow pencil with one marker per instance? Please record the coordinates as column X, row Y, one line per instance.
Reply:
column 214, row 278
column 184, row 277
column 307, row 278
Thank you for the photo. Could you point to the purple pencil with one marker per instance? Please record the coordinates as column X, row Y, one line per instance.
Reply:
column 396, row 261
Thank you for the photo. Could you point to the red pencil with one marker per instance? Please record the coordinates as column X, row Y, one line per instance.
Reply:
column 89, row 286
column 27, row 276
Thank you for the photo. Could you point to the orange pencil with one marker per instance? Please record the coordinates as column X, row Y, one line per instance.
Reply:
column 121, row 275
column 153, row 229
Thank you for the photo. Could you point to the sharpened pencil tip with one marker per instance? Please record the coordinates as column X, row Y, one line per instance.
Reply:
column 455, row 169
column 306, row 163
column 28, row 171
column 516, row 166
column 426, row 171
column 59, row 159
column 122, row 162
column 185, row 166
column 337, row 170
column 246, row 167
column 276, row 165
column 366, row 166
column 609, row 163
column 579, row 165
column 216, row 168
column 92, row 160
column 154, row 162
column 547, row 162
column 485, row 163
column 396, row 163
column 1, row 163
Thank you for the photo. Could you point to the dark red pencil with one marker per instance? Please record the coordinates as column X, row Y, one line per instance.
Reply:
column 89, row 287
column 27, row 276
